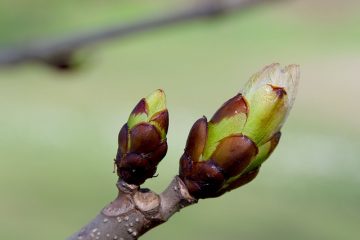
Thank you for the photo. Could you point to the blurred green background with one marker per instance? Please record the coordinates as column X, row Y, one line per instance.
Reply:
column 58, row 131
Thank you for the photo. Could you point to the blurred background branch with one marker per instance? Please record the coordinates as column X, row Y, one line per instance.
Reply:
column 60, row 54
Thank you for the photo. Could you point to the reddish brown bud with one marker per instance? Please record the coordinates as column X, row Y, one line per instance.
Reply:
column 142, row 140
column 144, row 152
column 230, row 108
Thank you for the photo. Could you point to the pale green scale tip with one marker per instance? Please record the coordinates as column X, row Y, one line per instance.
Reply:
column 156, row 102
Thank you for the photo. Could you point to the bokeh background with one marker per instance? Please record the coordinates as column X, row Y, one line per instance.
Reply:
column 58, row 131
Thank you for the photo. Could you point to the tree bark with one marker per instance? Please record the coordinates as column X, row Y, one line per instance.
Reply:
column 135, row 211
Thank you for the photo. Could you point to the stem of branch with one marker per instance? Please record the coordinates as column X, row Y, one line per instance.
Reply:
column 136, row 211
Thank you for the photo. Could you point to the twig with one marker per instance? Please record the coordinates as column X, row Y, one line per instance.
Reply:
column 59, row 54
column 135, row 211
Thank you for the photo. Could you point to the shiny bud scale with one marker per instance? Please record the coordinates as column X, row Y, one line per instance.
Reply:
column 142, row 140
column 227, row 152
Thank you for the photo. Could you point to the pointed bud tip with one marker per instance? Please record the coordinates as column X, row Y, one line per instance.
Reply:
column 147, row 108
column 123, row 139
column 158, row 93
column 156, row 96
column 280, row 91
column 156, row 102
column 276, row 76
column 197, row 138
column 270, row 94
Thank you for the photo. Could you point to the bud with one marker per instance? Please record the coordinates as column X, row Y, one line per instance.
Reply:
column 271, row 95
column 227, row 152
column 142, row 140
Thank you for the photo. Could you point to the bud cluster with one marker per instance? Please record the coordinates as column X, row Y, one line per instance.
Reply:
column 142, row 140
column 227, row 152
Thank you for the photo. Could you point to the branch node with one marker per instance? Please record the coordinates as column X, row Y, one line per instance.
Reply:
column 125, row 187
column 147, row 202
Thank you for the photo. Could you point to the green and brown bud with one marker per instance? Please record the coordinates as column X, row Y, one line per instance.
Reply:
column 142, row 140
column 227, row 152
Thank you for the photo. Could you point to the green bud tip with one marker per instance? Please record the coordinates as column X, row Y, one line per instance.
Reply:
column 152, row 110
column 270, row 94
column 142, row 140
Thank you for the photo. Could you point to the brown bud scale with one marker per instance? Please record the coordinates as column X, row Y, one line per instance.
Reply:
column 231, row 107
column 144, row 138
column 140, row 107
column 197, row 138
column 234, row 154
column 140, row 151
column 161, row 119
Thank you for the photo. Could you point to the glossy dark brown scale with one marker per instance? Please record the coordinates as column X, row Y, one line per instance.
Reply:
column 197, row 138
column 144, row 138
column 242, row 180
column 234, row 153
column 134, row 169
column 203, row 179
column 185, row 165
column 123, row 139
column 132, row 159
column 138, row 163
column 159, row 153
column 233, row 106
